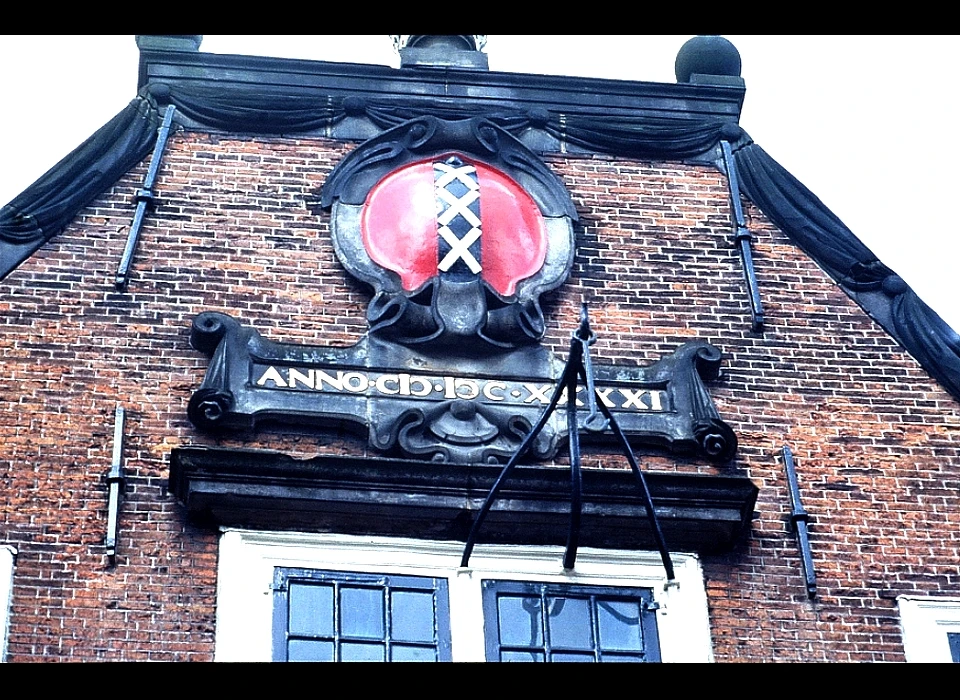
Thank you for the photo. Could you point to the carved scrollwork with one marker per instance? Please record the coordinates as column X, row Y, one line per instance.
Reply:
column 716, row 439
column 208, row 330
column 707, row 361
column 208, row 407
column 467, row 431
column 403, row 319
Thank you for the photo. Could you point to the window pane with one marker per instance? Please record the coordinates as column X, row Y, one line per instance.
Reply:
column 521, row 656
column 520, row 621
column 609, row 658
column 405, row 653
column 353, row 651
column 411, row 616
column 570, row 656
column 620, row 625
column 569, row 622
column 954, row 640
column 361, row 612
column 311, row 610
column 309, row 650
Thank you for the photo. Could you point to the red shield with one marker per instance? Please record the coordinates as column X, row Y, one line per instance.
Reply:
column 399, row 226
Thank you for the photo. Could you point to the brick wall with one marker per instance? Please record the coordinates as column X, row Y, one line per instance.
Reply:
column 877, row 442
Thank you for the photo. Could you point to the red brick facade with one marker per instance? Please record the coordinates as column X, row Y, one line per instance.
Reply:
column 238, row 230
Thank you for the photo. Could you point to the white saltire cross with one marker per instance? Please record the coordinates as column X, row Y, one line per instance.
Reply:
column 457, row 206
column 459, row 249
column 452, row 172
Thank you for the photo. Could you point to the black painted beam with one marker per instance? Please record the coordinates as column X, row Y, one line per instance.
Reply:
column 467, row 89
column 430, row 500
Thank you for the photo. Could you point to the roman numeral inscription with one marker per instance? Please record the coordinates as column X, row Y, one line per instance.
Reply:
column 439, row 388
column 445, row 408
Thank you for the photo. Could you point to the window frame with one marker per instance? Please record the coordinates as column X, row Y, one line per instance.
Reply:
column 248, row 559
column 7, row 559
column 925, row 622
column 495, row 589
column 388, row 585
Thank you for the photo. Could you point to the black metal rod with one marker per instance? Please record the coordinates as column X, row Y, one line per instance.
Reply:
column 145, row 198
column 577, row 365
column 644, row 490
column 115, row 482
column 511, row 463
column 746, row 256
column 595, row 422
column 743, row 238
column 798, row 522
column 573, row 442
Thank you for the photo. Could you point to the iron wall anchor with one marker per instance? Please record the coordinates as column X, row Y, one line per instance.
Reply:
column 798, row 524
column 115, row 482
column 145, row 199
column 743, row 238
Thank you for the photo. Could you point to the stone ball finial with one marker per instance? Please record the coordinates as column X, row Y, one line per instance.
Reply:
column 461, row 42
column 707, row 55
column 441, row 51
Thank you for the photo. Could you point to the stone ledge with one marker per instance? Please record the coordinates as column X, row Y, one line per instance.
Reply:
column 376, row 496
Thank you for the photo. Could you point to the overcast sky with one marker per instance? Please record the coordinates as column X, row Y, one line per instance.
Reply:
column 867, row 123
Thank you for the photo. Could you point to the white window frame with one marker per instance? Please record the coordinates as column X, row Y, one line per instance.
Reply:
column 7, row 554
column 925, row 621
column 248, row 559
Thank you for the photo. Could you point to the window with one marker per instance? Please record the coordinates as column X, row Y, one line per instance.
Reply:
column 6, row 593
column 336, row 616
column 526, row 621
column 931, row 628
column 287, row 595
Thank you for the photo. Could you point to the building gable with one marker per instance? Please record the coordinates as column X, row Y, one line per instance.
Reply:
column 241, row 227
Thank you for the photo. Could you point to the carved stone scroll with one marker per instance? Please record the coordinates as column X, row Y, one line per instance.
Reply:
column 452, row 409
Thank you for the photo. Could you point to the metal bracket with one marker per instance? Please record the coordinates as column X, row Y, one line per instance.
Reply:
column 743, row 238
column 798, row 524
column 115, row 481
column 577, row 366
column 145, row 198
